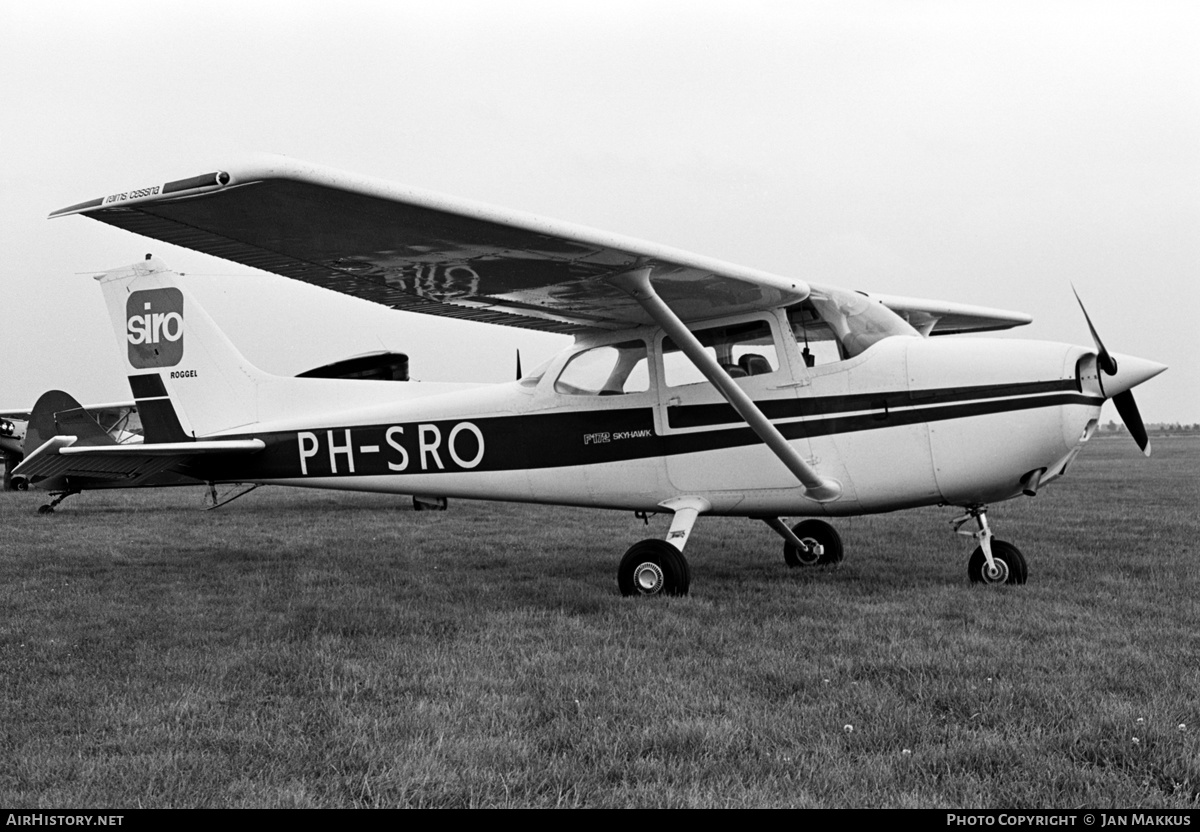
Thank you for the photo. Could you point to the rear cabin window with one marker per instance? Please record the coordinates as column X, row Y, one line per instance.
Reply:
column 741, row 349
column 611, row 370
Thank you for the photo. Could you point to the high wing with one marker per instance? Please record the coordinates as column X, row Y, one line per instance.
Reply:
column 936, row 317
column 423, row 252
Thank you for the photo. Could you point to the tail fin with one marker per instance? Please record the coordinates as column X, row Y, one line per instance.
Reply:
column 58, row 414
column 187, row 377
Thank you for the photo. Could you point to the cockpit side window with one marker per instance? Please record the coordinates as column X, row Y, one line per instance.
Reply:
column 833, row 325
column 741, row 349
column 610, row 370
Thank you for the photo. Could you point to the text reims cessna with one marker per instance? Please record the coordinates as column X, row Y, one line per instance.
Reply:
column 693, row 386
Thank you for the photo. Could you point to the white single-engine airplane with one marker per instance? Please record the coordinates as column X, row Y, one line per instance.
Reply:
column 693, row 386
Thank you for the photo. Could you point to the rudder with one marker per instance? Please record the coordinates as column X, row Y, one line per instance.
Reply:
column 58, row 414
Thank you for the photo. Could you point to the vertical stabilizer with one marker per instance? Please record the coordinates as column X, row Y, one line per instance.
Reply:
column 187, row 377
column 58, row 414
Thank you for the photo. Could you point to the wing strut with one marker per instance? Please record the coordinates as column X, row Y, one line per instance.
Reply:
column 636, row 284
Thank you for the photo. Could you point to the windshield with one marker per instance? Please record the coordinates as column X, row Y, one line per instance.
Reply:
column 854, row 321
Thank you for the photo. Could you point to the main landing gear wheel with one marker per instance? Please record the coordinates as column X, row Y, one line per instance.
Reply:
column 1010, row 565
column 814, row 532
column 653, row 567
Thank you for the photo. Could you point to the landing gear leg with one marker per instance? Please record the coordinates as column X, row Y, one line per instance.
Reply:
column 808, row 543
column 993, row 561
column 10, row 462
column 658, row 567
column 48, row 508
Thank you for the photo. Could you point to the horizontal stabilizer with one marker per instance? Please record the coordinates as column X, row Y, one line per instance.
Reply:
column 212, row 446
column 63, row 456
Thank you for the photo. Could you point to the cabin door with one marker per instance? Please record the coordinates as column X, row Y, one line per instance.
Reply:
column 708, row 446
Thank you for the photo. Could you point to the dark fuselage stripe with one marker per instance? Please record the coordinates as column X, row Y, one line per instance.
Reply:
column 147, row 386
column 160, row 423
column 710, row 415
column 550, row 440
column 734, row 437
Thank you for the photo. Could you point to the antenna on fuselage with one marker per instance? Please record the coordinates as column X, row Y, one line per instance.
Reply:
column 518, row 364
column 806, row 353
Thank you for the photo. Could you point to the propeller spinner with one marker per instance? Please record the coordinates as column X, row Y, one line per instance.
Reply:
column 1119, row 374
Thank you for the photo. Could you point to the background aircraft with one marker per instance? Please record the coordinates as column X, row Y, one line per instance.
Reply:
column 694, row 386
column 13, row 424
column 20, row 429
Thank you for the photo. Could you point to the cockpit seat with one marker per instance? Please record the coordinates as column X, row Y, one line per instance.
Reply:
column 753, row 364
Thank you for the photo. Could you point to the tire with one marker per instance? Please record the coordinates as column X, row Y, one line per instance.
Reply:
column 814, row 531
column 653, row 567
column 1010, row 564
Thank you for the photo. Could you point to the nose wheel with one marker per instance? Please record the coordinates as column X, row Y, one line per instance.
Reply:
column 993, row 561
column 1008, row 565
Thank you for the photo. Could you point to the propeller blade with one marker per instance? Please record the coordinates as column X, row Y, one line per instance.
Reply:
column 1106, row 361
column 1120, row 386
column 1128, row 409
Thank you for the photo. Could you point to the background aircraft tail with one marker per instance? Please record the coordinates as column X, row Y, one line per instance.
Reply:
column 58, row 414
column 187, row 377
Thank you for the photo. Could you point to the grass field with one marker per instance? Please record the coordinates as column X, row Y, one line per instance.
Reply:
column 317, row 649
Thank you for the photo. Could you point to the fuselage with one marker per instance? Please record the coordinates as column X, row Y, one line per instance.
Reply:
column 908, row 421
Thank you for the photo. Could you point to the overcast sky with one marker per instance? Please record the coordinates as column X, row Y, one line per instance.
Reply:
column 988, row 153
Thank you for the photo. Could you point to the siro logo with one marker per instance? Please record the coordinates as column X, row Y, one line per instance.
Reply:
column 154, row 328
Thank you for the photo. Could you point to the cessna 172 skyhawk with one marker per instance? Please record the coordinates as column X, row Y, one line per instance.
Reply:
column 693, row 386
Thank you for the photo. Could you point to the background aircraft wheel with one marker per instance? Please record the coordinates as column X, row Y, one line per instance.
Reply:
column 653, row 567
column 814, row 531
column 46, row 509
column 1010, row 565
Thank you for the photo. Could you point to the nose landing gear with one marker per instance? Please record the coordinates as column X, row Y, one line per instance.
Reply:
column 993, row 561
